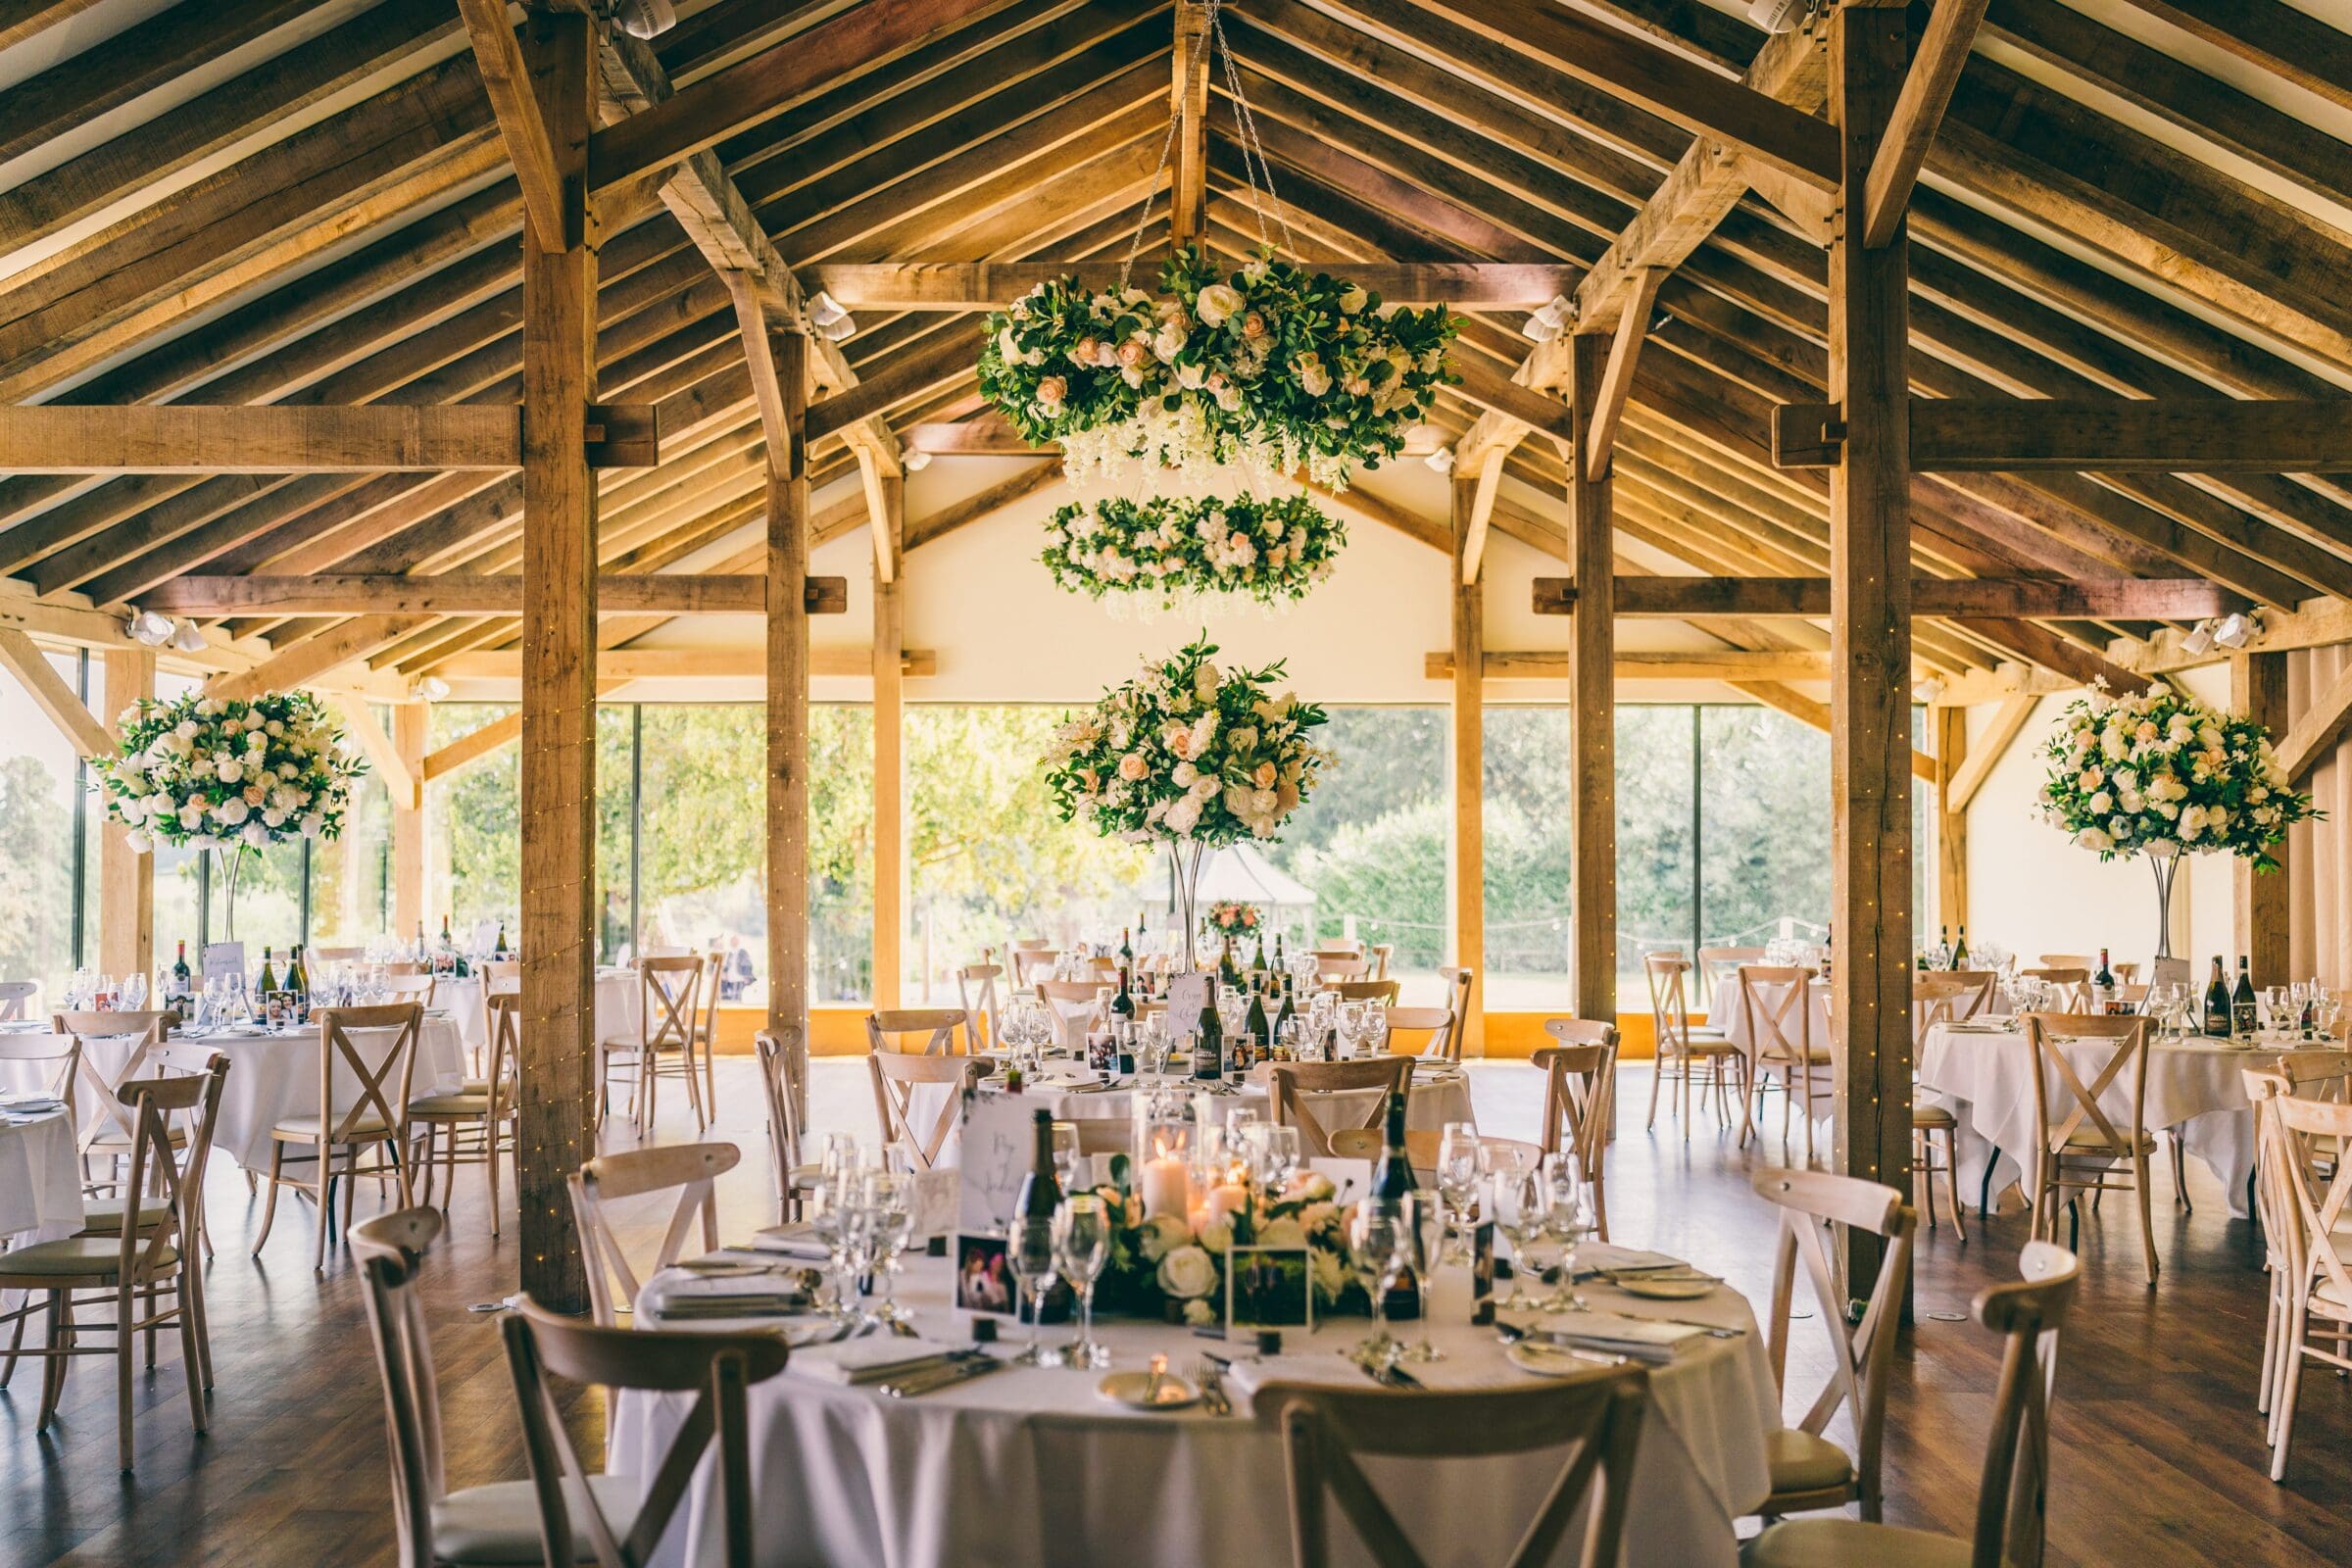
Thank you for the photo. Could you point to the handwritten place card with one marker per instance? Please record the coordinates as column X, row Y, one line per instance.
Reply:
column 1188, row 994
column 999, row 1145
column 224, row 961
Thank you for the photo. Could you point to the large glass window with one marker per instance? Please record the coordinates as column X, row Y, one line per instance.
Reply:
column 1370, row 844
column 475, row 818
column 1658, row 840
column 48, row 923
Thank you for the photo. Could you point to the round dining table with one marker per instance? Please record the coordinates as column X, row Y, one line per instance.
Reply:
column 616, row 1005
column 1032, row 1465
column 41, row 1174
column 1983, row 1074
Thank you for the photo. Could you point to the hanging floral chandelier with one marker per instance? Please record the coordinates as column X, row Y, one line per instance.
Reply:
column 1175, row 549
column 1265, row 366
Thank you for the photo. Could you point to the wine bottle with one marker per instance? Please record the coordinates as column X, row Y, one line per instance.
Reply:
column 1257, row 1041
column 269, row 980
column 2244, row 1016
column 1122, row 1005
column 1960, row 949
column 1041, row 1190
column 184, row 984
column 1208, row 1043
column 1944, row 948
column 298, row 976
column 1280, row 967
column 1257, row 964
column 1289, row 1010
column 1126, row 947
column 422, row 951
column 2217, row 1003
column 2102, row 986
column 500, row 951
column 1393, row 1172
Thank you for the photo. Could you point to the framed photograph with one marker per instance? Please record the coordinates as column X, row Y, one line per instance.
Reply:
column 1268, row 1288
column 984, row 1281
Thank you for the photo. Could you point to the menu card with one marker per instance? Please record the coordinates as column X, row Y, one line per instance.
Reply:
column 224, row 961
column 1188, row 994
column 999, row 1145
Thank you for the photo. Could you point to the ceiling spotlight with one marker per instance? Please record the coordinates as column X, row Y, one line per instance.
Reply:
column 1441, row 460
column 835, row 332
column 189, row 638
column 432, row 689
column 824, row 309
column 1931, row 689
column 1549, row 320
column 645, row 19
column 915, row 460
column 1777, row 16
column 2236, row 631
column 148, row 629
column 2199, row 639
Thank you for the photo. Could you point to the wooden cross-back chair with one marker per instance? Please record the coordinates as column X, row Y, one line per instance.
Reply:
column 705, row 1029
column 1595, row 1417
column 17, row 997
column 435, row 1527
column 1717, row 965
column 1948, row 995
column 129, row 1269
column 1431, row 1034
column 983, row 1015
column 480, row 1119
column 919, row 1140
column 2071, row 984
column 1318, row 1098
column 498, row 975
column 2081, row 1142
column 53, row 1063
column 1074, row 1003
column 1777, row 999
column 2013, row 1496
column 1332, row 968
column 715, row 1368
column 2305, row 1191
column 376, row 1116
column 1685, row 1047
column 663, row 1045
column 416, row 985
column 191, row 1142
column 692, row 1170
column 1808, row 1471
column 1580, row 1099
column 1384, row 991
column 888, row 1031
column 1032, row 963
column 784, row 1085
column 1459, row 980
column 108, row 1135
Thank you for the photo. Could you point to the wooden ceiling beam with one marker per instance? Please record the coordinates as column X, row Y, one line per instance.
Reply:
column 2213, row 435
column 993, row 285
column 1927, row 85
column 621, row 665
column 522, row 123
column 1617, row 376
column 1188, row 112
column 189, row 438
column 465, row 594
column 2292, row 44
column 1967, row 597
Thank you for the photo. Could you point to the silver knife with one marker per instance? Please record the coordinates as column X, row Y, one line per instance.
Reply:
column 960, row 1371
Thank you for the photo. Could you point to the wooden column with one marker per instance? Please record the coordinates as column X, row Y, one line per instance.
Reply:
column 125, row 880
column 1592, row 699
column 1951, row 822
column 411, row 902
column 788, row 697
column 558, row 682
column 2259, row 903
column 1870, row 637
column 1466, row 850
column 890, row 752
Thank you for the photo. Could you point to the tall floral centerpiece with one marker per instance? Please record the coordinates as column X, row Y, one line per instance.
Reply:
column 2160, row 775
column 228, row 776
column 1189, row 755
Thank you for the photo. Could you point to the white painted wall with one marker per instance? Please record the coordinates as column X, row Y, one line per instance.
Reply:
column 2030, row 890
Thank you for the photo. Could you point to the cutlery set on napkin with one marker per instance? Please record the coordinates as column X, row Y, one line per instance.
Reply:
column 901, row 1368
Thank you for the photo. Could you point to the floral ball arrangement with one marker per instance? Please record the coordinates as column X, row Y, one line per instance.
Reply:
column 1267, row 550
column 1174, row 1265
column 2162, row 774
column 1188, row 752
column 1268, row 364
column 1231, row 917
column 212, row 774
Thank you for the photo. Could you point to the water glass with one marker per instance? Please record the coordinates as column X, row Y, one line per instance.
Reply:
column 889, row 1202
column 1066, row 1157
column 135, row 990
column 1567, row 1223
column 1458, row 1169
column 1035, row 1260
column 1373, row 1238
column 1522, row 1211
column 1081, row 1248
column 1419, row 1240
column 1375, row 1031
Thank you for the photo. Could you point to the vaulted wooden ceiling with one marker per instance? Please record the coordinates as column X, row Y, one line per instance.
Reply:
column 263, row 201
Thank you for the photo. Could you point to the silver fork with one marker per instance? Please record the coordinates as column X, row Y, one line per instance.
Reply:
column 1211, row 1379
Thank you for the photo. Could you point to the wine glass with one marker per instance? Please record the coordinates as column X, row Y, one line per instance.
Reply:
column 1569, row 1222
column 1522, row 1207
column 1374, row 1032
column 1034, row 1258
column 1066, row 1156
column 135, row 990
column 833, row 1218
column 889, row 1227
column 1152, row 1050
column 1457, row 1183
column 1350, row 1023
column 1372, row 1243
column 1081, row 1247
column 1285, row 1156
column 1419, row 1238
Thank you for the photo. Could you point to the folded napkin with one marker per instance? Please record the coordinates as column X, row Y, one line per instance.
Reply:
column 1600, row 1257
column 1641, row 1338
column 796, row 1240
column 1461, row 1369
column 867, row 1360
column 30, row 1104
column 675, row 1295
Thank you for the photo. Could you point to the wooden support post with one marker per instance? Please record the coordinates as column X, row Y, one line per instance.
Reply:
column 1188, row 107
column 787, row 695
column 409, row 722
column 2259, row 903
column 559, row 683
column 890, row 754
column 1950, row 729
column 1870, row 639
column 1593, row 696
column 125, row 879
column 1466, row 848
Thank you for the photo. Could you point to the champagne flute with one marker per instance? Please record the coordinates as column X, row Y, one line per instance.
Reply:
column 1419, row 1240
column 1081, row 1247
column 1033, row 1255
column 1372, row 1242
column 1066, row 1156
column 1457, row 1183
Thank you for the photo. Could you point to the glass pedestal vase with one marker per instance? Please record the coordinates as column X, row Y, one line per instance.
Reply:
column 2164, row 866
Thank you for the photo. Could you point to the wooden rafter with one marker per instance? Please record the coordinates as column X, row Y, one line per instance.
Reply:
column 1985, row 751
column 1188, row 108
column 2322, row 724
column 1982, row 598
column 189, row 438
column 1926, row 88
column 22, row 658
column 2210, row 435
column 520, row 122
column 1599, row 437
column 465, row 594
column 992, row 285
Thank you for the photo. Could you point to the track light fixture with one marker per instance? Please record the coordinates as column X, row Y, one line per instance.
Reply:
column 645, row 19
column 432, row 689
column 2236, row 631
column 1441, row 460
column 916, row 461
column 1549, row 319
column 2199, row 639
column 189, row 638
column 147, row 628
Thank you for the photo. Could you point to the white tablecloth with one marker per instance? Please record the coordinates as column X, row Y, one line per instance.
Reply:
column 1729, row 1013
column 272, row 1077
column 615, row 1007
column 1029, row 1466
column 1983, row 1076
column 40, row 1178
column 1441, row 1095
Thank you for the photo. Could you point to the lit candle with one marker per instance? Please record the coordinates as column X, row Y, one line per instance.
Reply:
column 1167, row 1187
column 1226, row 1200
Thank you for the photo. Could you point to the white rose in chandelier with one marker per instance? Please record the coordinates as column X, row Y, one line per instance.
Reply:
column 1217, row 304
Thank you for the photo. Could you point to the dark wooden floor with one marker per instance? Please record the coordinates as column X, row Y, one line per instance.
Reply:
column 2160, row 1458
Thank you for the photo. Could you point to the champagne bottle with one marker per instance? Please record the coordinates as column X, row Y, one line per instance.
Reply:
column 1208, row 1043
column 422, row 951
column 184, row 984
column 1280, row 967
column 1041, row 1190
column 298, row 977
column 1944, row 948
column 1960, row 949
column 1393, row 1172
column 1829, row 951
column 2244, row 1016
column 2102, row 986
column 2217, row 1003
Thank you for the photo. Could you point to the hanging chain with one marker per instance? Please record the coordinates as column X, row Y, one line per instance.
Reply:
column 1254, row 155
column 1142, row 219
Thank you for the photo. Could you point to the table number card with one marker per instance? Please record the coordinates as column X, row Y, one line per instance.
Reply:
column 1188, row 994
column 999, row 1145
column 224, row 961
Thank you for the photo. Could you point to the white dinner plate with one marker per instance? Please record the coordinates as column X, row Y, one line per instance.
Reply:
column 1551, row 1360
column 1667, row 1288
column 1127, row 1389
